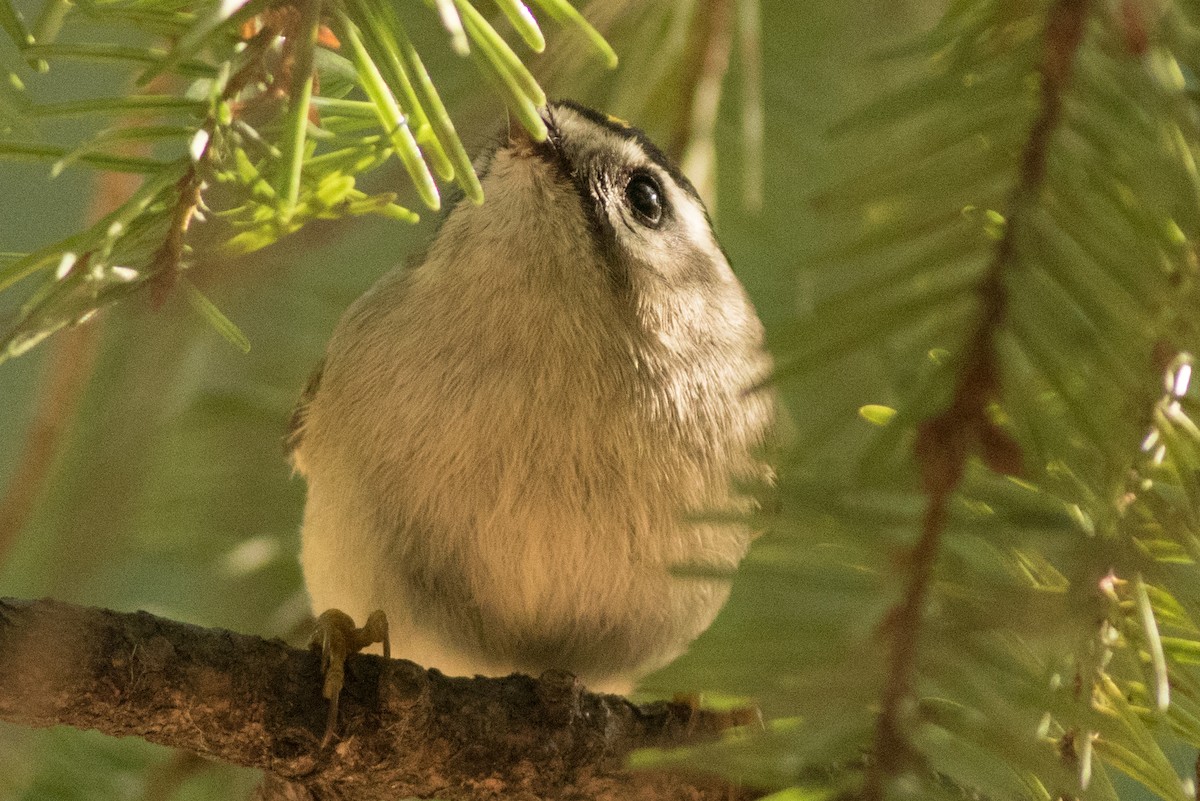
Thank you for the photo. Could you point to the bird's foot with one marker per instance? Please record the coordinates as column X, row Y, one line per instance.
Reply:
column 336, row 637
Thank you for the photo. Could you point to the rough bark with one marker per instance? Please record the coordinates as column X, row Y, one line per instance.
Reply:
column 403, row 731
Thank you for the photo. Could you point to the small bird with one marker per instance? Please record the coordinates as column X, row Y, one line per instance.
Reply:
column 510, row 446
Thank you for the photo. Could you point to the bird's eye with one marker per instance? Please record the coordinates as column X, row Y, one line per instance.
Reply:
column 645, row 198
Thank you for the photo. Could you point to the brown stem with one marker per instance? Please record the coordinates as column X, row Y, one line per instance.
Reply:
column 67, row 373
column 946, row 441
column 712, row 39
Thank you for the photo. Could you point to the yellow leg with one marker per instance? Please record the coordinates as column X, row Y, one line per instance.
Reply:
column 337, row 638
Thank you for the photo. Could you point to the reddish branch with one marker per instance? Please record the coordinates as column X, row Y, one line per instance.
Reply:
column 67, row 373
column 404, row 731
column 711, row 43
column 945, row 442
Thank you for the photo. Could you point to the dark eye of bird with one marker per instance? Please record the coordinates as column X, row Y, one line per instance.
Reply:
column 645, row 198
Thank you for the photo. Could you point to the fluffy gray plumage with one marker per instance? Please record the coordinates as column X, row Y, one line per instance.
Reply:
column 507, row 441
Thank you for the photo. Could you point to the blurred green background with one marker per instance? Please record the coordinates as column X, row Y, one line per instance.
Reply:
column 166, row 487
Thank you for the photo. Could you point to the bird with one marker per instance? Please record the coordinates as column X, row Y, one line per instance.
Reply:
column 512, row 447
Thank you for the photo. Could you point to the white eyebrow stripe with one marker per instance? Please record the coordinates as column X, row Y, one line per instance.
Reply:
column 606, row 159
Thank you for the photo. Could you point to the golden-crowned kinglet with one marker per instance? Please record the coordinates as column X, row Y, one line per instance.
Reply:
column 510, row 446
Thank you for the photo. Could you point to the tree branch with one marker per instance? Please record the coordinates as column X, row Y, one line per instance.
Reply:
column 64, row 379
column 693, row 144
column 66, row 375
column 946, row 441
column 404, row 731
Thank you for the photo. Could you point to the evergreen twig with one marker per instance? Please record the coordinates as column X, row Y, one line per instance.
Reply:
column 946, row 441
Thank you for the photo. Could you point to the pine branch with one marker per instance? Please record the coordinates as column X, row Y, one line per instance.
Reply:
column 404, row 731
column 945, row 442
column 1023, row 278
column 255, row 95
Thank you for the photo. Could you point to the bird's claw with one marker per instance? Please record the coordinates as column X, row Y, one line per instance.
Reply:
column 336, row 637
